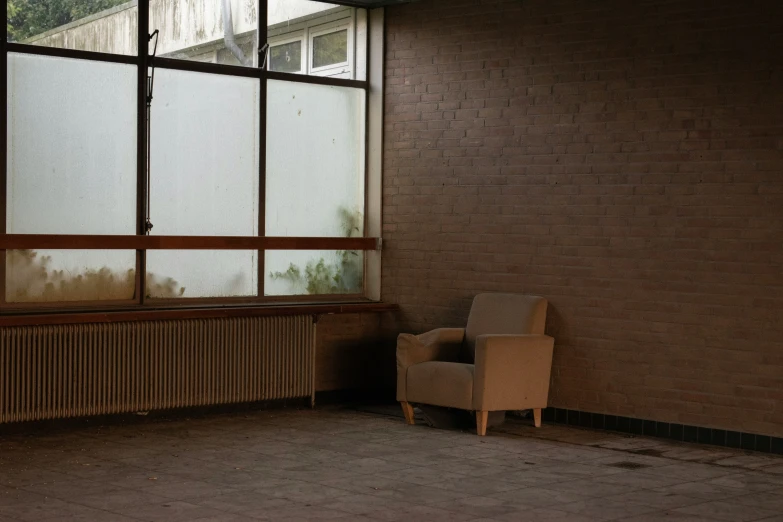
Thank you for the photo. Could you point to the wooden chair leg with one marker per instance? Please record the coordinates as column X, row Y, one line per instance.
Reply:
column 407, row 410
column 481, row 422
column 537, row 417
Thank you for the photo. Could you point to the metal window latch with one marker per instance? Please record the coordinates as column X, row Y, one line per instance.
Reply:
column 262, row 54
column 151, row 75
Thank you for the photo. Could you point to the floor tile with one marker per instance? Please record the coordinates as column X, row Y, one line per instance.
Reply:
column 590, row 488
column 226, row 517
column 668, row 516
column 480, row 486
column 772, row 500
column 701, row 490
column 303, row 492
column 183, row 489
column 689, row 471
column 472, row 468
column 424, row 495
column 486, row 507
column 86, row 514
column 640, row 480
column 749, row 481
column 40, row 508
column 540, row 497
column 72, row 487
column 359, row 504
column 302, row 512
column 414, row 512
column 656, row 499
column 755, row 461
column 121, row 501
column 535, row 477
column 615, row 457
column 170, row 511
column 244, row 503
column 422, row 475
column 723, row 510
column 542, row 515
column 604, row 509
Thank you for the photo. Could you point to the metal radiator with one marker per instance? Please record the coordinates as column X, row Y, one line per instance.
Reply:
column 50, row 372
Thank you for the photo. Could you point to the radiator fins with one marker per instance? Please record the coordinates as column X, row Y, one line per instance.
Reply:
column 49, row 372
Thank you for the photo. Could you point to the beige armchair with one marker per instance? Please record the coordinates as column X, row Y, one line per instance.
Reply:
column 501, row 361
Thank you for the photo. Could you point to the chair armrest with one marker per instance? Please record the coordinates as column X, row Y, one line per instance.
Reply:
column 512, row 372
column 441, row 344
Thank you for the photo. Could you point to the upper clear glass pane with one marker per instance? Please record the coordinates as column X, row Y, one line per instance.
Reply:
column 215, row 31
column 286, row 57
column 330, row 49
column 315, row 160
column 71, row 150
column 107, row 26
column 329, row 39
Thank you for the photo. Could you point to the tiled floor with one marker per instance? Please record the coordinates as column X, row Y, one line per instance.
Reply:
column 338, row 464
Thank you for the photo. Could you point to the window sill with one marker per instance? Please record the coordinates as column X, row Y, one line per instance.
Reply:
column 121, row 316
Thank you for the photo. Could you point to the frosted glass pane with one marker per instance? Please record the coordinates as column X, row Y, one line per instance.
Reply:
column 204, row 160
column 214, row 31
column 108, row 26
column 202, row 273
column 315, row 160
column 313, row 272
column 69, row 275
column 71, row 146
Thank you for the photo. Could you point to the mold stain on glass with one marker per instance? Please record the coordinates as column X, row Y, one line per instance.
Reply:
column 32, row 279
column 341, row 276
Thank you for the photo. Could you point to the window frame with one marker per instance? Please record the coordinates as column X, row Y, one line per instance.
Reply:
column 140, row 242
column 308, row 31
column 348, row 66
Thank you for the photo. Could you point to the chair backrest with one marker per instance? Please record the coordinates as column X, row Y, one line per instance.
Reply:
column 503, row 314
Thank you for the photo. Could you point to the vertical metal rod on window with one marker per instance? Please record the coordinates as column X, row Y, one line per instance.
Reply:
column 261, row 63
column 367, row 66
column 150, row 88
column 4, row 173
column 142, row 188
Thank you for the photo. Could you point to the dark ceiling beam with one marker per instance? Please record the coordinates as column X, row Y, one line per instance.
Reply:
column 370, row 4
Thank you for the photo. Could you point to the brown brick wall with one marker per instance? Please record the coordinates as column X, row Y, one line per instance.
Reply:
column 351, row 355
column 623, row 159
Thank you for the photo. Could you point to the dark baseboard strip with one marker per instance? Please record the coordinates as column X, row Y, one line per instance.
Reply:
column 328, row 398
column 665, row 430
column 153, row 416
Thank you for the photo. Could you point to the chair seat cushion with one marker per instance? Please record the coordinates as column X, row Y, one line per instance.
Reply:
column 441, row 384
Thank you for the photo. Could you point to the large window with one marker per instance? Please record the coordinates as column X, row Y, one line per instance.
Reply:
column 160, row 154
